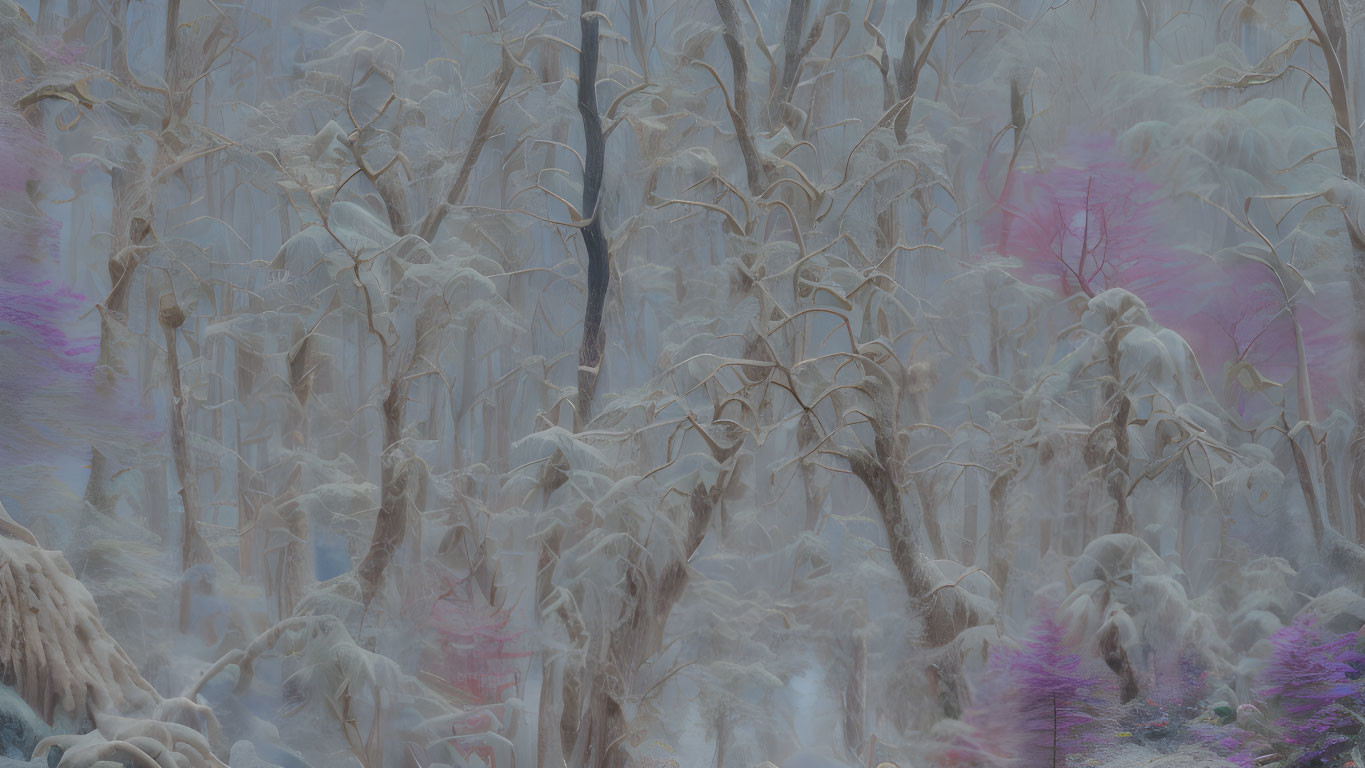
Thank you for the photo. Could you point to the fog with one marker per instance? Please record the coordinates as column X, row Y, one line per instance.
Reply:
column 644, row 384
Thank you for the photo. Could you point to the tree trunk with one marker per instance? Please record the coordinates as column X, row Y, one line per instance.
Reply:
column 722, row 725
column 249, row 492
column 129, row 230
column 927, row 493
column 971, row 511
column 157, row 499
column 997, row 551
column 939, row 625
column 791, row 59
column 943, row 618
column 594, row 237
column 193, row 549
column 1117, row 481
column 855, row 697
column 907, row 75
column 1333, row 35
column 391, row 525
column 734, row 38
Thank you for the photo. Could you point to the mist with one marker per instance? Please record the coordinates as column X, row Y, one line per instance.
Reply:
column 644, row 384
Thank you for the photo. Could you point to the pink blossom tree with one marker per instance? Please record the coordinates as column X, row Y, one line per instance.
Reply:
column 1088, row 223
column 1092, row 221
column 1252, row 328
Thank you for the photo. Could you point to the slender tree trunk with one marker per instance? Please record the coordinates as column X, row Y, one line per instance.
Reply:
column 549, row 741
column 1335, row 39
column 722, row 726
column 157, row 499
column 855, row 697
column 172, row 39
column 997, row 549
column 734, row 38
column 193, row 549
column 1117, row 481
column 1309, row 489
column 248, row 497
column 118, row 41
column 874, row 470
column 806, row 437
column 638, row 13
column 217, row 394
column 1186, row 512
column 971, row 511
column 641, row 637
column 1077, row 516
column 1145, row 29
column 301, row 362
column 1330, row 490
column 129, row 230
column 594, row 236
column 791, row 59
column 391, row 525
column 47, row 18
column 907, row 75
column 248, row 365
column 431, row 225
column 1045, row 534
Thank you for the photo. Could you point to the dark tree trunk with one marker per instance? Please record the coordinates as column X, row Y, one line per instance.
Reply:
column 1116, row 658
column 594, row 237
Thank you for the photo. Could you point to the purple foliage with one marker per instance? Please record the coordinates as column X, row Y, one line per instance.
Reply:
column 1229, row 741
column 1040, row 703
column 1194, row 677
column 1178, row 681
column 39, row 360
column 1313, row 678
